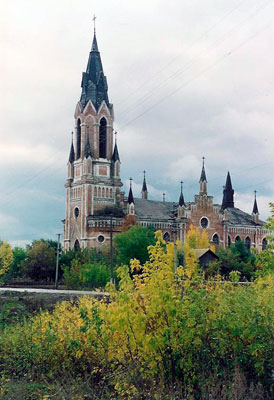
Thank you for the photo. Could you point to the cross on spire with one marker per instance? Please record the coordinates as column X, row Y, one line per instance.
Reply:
column 94, row 20
column 203, row 161
column 164, row 197
column 182, row 186
column 115, row 133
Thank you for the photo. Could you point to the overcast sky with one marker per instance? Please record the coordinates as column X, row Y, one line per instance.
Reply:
column 187, row 79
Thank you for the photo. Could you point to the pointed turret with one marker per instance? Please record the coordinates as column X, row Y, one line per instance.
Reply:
column 228, row 194
column 144, row 188
column 115, row 154
column 203, row 181
column 71, row 153
column 255, row 206
column 130, row 198
column 94, row 83
column 88, row 149
column 181, row 199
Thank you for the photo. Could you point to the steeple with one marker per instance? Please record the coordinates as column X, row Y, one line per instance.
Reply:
column 88, row 149
column 144, row 188
column 94, row 83
column 130, row 198
column 71, row 153
column 115, row 155
column 255, row 206
column 181, row 199
column 228, row 194
column 203, row 181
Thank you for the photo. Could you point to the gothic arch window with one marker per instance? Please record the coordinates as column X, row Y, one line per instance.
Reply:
column 103, row 138
column 166, row 237
column 99, row 192
column 103, row 192
column 248, row 242
column 229, row 241
column 238, row 238
column 110, row 192
column 78, row 139
column 106, row 192
column 264, row 244
column 95, row 191
column 215, row 239
column 76, row 245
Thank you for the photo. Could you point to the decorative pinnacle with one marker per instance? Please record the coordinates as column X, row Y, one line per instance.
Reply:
column 130, row 182
column 203, row 161
column 115, row 133
column 144, row 174
column 94, row 19
column 72, row 136
column 255, row 192
column 182, row 186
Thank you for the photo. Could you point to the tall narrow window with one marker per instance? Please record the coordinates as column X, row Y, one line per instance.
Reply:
column 78, row 146
column 76, row 245
column 264, row 244
column 103, row 138
column 248, row 242
column 216, row 239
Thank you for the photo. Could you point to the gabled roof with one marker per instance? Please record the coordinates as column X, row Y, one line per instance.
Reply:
column 94, row 83
column 201, row 252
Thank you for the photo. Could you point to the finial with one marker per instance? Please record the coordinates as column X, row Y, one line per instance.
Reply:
column 94, row 19
column 130, row 182
column 144, row 174
column 164, row 197
column 115, row 133
column 72, row 136
column 255, row 192
column 182, row 186
column 203, row 161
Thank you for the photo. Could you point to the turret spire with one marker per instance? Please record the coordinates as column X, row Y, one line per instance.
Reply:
column 130, row 199
column 203, row 181
column 144, row 188
column 72, row 153
column 181, row 199
column 228, row 194
column 94, row 83
column 115, row 154
column 255, row 206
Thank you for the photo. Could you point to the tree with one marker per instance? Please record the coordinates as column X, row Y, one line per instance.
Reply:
column 133, row 244
column 6, row 257
column 40, row 261
column 16, row 270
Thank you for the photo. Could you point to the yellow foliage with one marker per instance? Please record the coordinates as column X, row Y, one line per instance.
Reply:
column 6, row 257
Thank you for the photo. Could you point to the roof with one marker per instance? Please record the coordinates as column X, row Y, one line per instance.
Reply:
column 130, row 196
column 152, row 209
column 255, row 207
column 94, row 83
column 201, row 252
column 236, row 216
column 71, row 154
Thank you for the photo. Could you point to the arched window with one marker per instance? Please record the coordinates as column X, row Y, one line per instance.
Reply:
column 229, row 241
column 78, row 142
column 103, row 192
column 76, row 245
column 103, row 138
column 99, row 192
column 95, row 191
column 216, row 239
column 238, row 238
column 166, row 237
column 248, row 242
column 264, row 244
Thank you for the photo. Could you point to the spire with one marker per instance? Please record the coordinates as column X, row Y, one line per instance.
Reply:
column 181, row 199
column 144, row 188
column 203, row 181
column 130, row 199
column 115, row 154
column 94, row 83
column 88, row 149
column 228, row 194
column 255, row 206
column 72, row 153
column 203, row 174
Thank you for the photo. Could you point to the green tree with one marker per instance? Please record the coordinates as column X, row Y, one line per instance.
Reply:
column 234, row 258
column 41, row 260
column 16, row 270
column 133, row 244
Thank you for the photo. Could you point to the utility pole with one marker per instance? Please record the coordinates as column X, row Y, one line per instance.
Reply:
column 111, row 252
column 57, row 261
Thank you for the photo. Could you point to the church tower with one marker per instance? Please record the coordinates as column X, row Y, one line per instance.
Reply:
column 93, row 181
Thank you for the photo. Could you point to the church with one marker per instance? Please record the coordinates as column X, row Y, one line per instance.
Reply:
column 96, row 206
